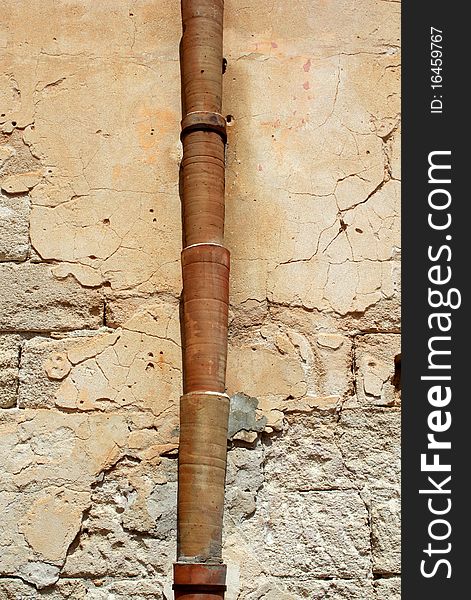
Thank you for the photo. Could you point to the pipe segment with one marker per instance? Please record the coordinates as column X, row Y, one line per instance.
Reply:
column 199, row 573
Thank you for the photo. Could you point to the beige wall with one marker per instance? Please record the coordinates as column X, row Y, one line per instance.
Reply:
column 89, row 273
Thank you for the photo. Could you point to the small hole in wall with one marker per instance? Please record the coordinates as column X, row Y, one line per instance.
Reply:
column 106, row 221
column 150, row 366
column 107, row 283
column 358, row 230
column 151, row 210
column 154, row 220
column 224, row 65
column 92, row 256
column 13, row 123
column 229, row 119
column 161, row 352
column 202, row 71
column 150, row 354
column 367, row 151
column 2, row 115
column 396, row 379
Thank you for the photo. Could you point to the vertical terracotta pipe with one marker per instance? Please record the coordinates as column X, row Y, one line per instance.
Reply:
column 199, row 573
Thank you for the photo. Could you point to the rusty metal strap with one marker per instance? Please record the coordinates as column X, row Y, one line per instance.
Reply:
column 204, row 121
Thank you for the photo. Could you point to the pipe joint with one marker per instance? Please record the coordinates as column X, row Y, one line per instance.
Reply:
column 199, row 581
column 204, row 121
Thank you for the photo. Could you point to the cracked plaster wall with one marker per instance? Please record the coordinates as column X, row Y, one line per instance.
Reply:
column 89, row 264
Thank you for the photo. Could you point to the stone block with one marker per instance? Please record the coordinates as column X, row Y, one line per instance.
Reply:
column 307, row 456
column 108, row 371
column 324, row 534
column 32, row 299
column 14, row 228
column 370, row 444
column 378, row 369
column 9, row 369
column 385, row 515
column 387, row 589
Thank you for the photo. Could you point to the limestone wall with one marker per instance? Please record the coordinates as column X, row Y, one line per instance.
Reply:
column 90, row 240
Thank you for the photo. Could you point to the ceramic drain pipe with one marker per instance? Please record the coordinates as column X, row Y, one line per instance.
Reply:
column 199, row 573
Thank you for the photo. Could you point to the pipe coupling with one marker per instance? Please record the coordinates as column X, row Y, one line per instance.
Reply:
column 199, row 581
column 204, row 121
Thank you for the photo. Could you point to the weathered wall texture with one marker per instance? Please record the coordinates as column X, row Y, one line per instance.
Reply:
column 90, row 280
